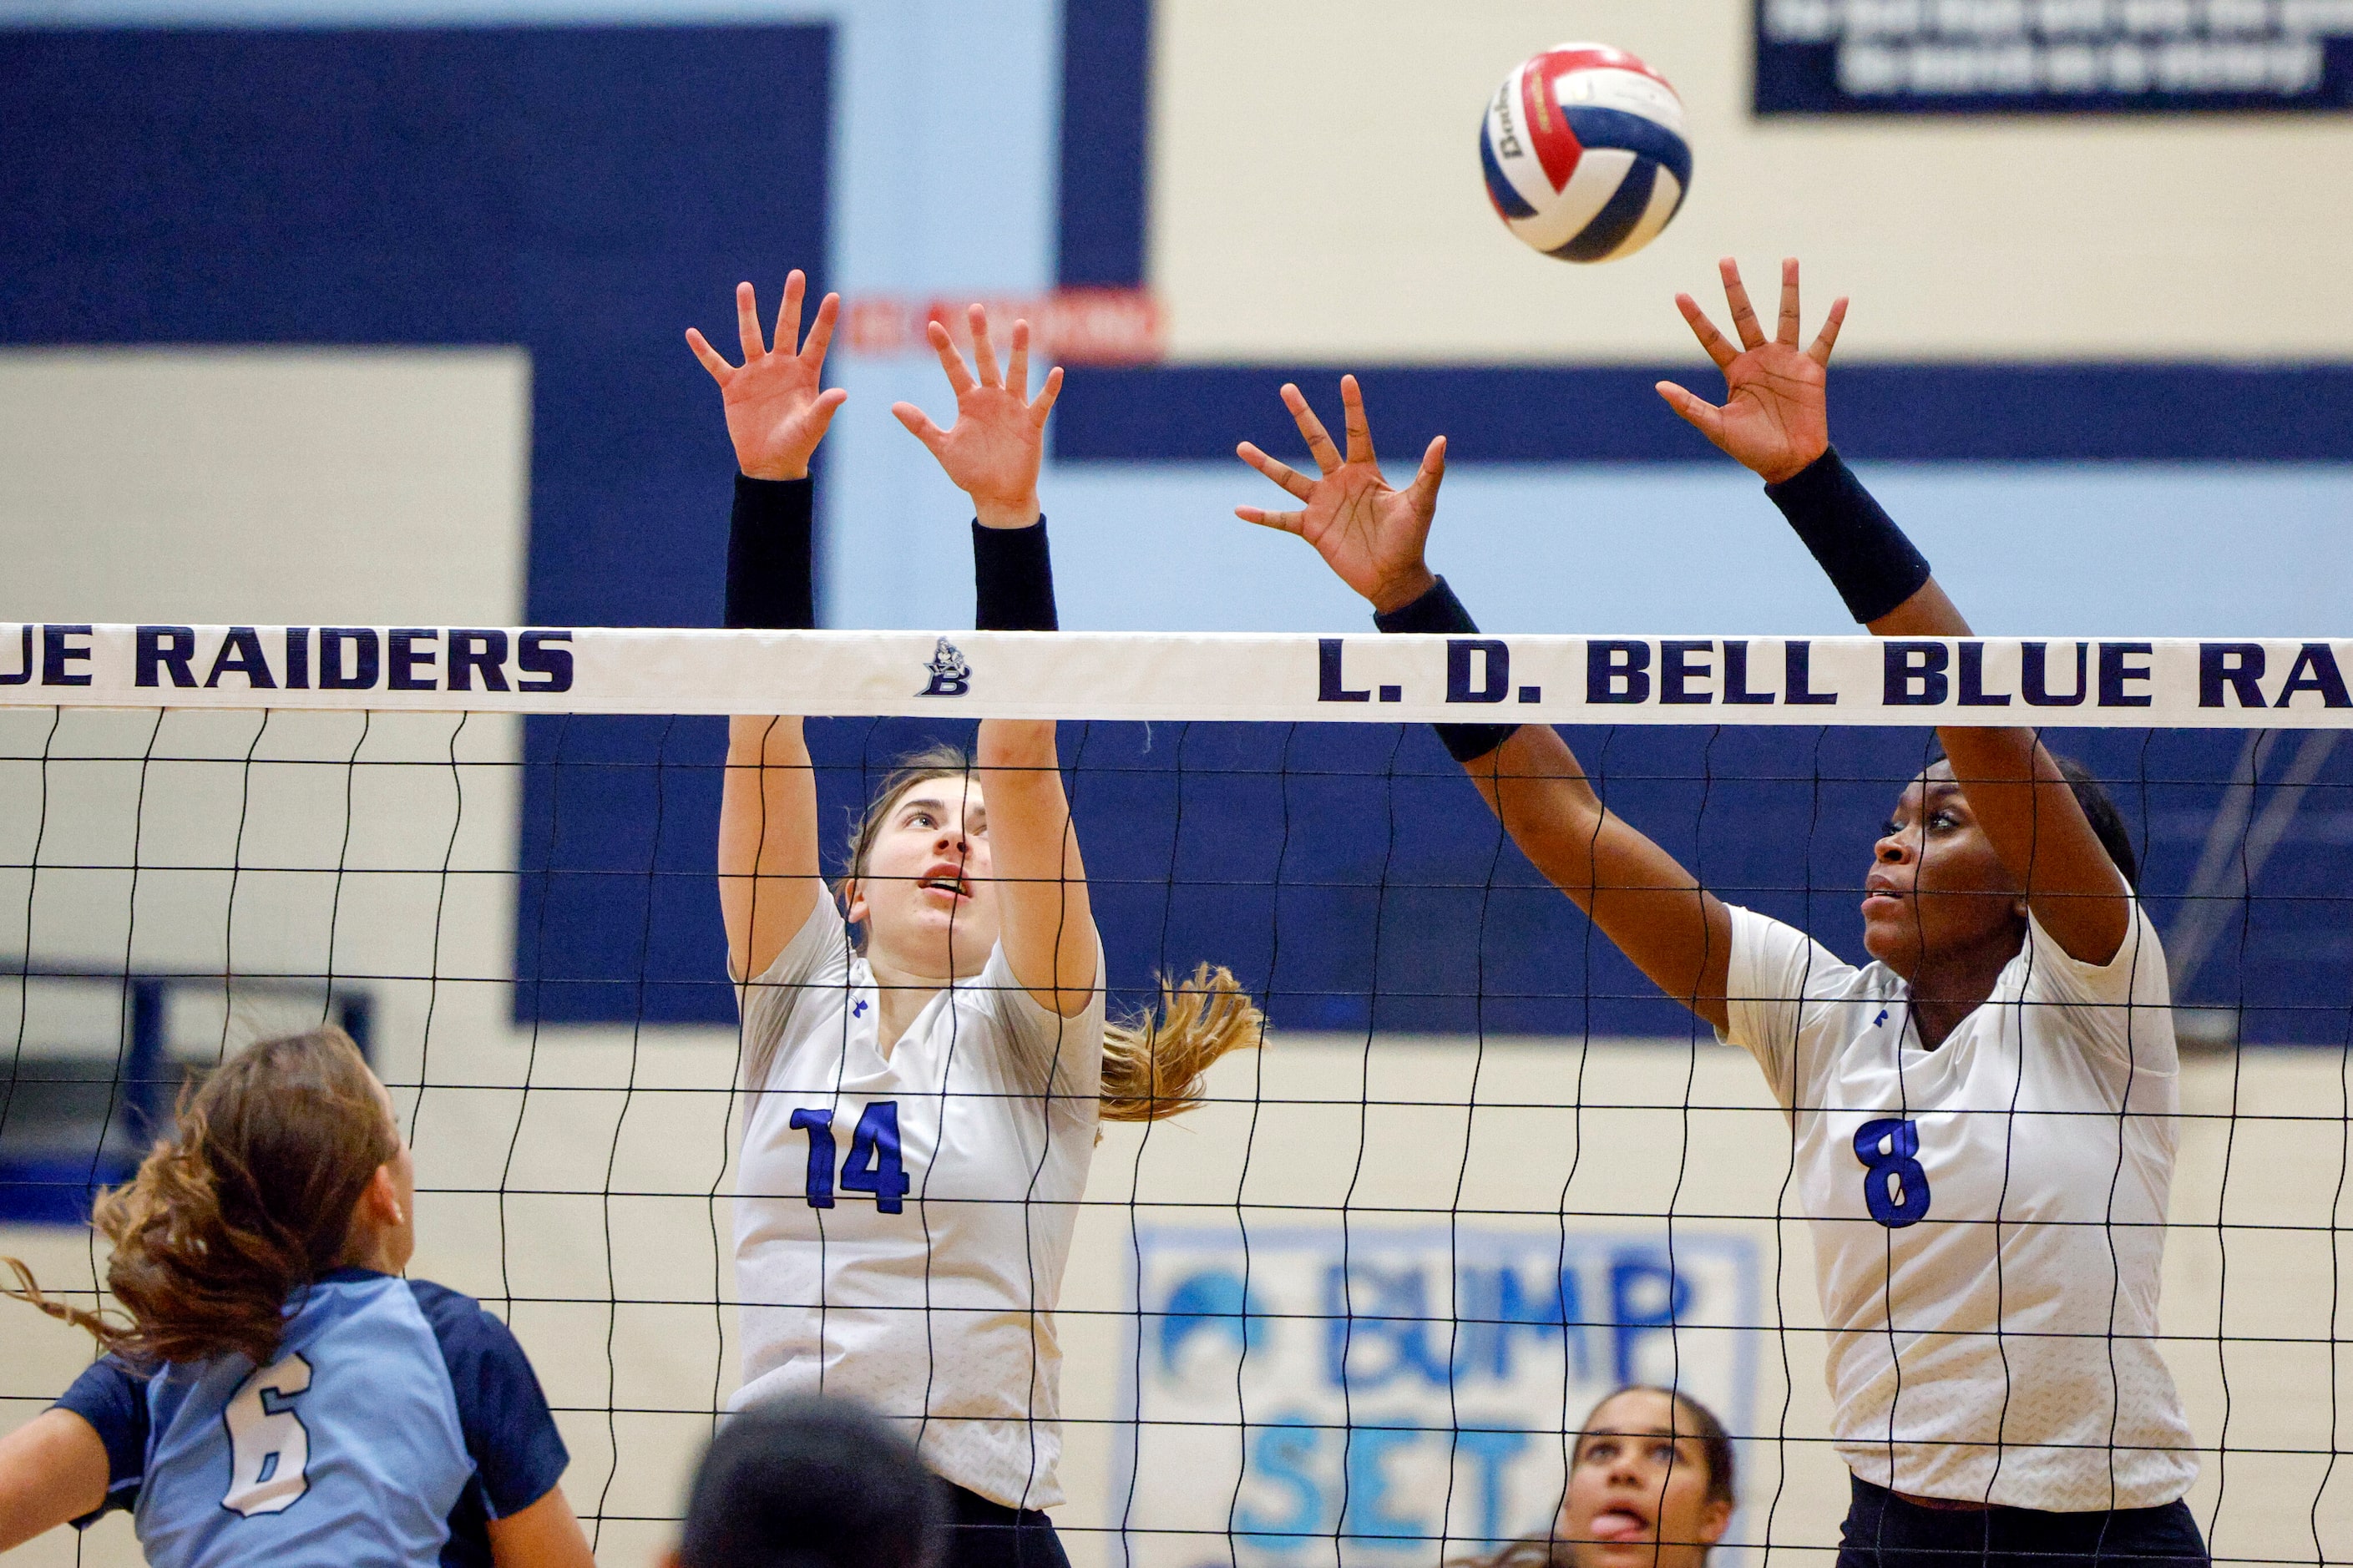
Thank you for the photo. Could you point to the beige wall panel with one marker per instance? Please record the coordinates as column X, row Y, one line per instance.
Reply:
column 303, row 486
column 1315, row 195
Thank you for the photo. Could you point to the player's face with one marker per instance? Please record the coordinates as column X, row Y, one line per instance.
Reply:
column 924, row 896
column 1935, row 888
column 1637, row 1492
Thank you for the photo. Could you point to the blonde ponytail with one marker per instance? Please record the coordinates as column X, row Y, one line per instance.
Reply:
column 1152, row 1065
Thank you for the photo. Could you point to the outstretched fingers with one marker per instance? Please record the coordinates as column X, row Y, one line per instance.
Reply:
column 983, row 352
column 1698, row 411
column 959, row 377
column 1432, row 473
column 1044, row 404
column 1288, row 522
column 820, row 414
column 713, row 360
column 1744, row 314
column 1719, row 347
column 747, row 323
column 789, row 313
column 1017, row 365
column 1826, row 339
column 1352, row 419
column 1319, row 441
column 821, row 336
column 1787, row 335
column 1281, row 472
column 920, row 426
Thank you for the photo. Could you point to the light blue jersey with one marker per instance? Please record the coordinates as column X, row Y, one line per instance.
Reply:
column 396, row 1419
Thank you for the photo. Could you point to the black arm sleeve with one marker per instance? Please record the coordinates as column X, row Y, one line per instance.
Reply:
column 1439, row 611
column 770, row 585
column 1012, row 579
column 1869, row 561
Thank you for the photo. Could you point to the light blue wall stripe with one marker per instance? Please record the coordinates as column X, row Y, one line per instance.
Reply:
column 2093, row 548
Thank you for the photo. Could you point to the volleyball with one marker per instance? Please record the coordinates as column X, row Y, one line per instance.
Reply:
column 1584, row 153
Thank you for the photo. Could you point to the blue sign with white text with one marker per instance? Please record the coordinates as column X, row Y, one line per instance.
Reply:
column 1411, row 1392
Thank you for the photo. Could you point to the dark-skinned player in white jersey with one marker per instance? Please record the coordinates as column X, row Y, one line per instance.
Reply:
column 1983, row 1114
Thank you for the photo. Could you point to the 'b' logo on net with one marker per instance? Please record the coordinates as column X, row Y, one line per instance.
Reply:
column 951, row 676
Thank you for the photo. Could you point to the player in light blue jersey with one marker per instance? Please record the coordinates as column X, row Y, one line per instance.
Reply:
column 278, row 1395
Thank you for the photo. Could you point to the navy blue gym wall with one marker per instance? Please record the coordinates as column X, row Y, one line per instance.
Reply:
column 584, row 192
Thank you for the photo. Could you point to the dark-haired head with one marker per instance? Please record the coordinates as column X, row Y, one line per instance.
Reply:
column 1940, row 907
column 1650, row 1484
column 2106, row 820
column 2099, row 808
column 812, row 1482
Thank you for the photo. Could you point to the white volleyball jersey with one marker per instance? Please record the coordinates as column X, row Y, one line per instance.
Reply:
column 901, row 1223
column 1987, row 1217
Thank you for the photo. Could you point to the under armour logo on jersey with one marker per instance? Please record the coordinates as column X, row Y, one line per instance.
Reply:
column 1881, row 1019
column 951, row 676
column 858, row 1008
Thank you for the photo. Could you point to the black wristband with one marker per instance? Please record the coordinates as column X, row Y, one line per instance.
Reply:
column 1012, row 579
column 1439, row 611
column 769, row 583
column 1869, row 562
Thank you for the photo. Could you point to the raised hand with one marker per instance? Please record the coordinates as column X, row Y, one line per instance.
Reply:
column 993, row 450
column 1369, row 533
column 777, row 412
column 1774, row 418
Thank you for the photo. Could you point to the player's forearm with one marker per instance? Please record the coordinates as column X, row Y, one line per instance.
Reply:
column 1006, row 511
column 2024, row 804
column 771, row 585
column 1434, row 608
column 1979, row 754
column 1538, row 791
column 771, row 531
column 1049, row 928
column 1641, row 898
column 767, row 839
column 547, row 1534
column 756, row 740
column 1030, row 837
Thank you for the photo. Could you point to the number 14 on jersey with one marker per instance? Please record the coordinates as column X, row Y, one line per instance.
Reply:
column 875, row 1165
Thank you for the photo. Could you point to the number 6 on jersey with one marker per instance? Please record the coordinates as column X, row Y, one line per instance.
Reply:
column 270, row 1448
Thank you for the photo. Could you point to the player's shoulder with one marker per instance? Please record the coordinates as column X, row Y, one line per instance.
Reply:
column 110, row 1395
column 462, row 1326
column 1760, row 941
column 509, row 1427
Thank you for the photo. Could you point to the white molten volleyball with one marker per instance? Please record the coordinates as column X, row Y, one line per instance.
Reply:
column 1585, row 154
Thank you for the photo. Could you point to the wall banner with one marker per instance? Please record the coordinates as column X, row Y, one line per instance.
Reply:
column 2052, row 56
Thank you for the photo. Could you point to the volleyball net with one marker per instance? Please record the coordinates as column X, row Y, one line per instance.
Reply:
column 1353, row 1307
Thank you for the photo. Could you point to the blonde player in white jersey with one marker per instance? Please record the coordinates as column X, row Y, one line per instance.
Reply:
column 1983, row 1114
column 925, row 1101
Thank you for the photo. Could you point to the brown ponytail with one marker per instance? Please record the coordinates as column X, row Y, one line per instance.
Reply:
column 245, row 1205
column 1153, row 1064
